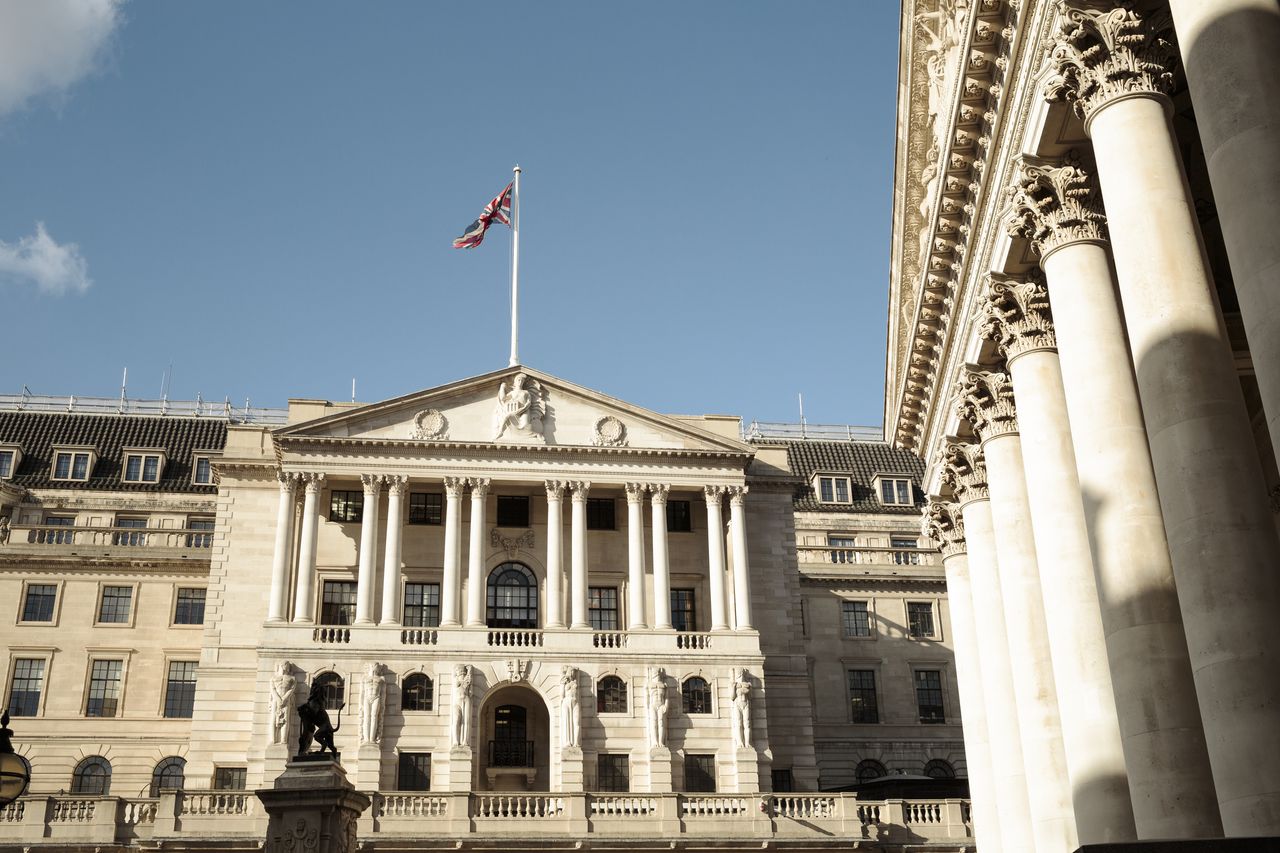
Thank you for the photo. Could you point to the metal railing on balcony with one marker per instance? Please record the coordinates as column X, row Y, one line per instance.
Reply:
column 510, row 753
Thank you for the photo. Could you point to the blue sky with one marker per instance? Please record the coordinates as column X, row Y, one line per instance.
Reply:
column 264, row 195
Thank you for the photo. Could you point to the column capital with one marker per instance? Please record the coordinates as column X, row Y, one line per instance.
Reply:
column 713, row 494
column 479, row 487
column 737, row 494
column 372, row 483
column 555, row 489
column 965, row 472
column 1100, row 56
column 288, row 481
column 658, row 492
column 1054, row 204
column 986, row 402
column 635, row 492
column 944, row 524
column 312, row 481
column 580, row 489
column 455, row 486
column 1017, row 315
column 397, row 484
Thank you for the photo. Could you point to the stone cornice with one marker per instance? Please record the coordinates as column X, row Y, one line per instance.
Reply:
column 943, row 523
column 1054, row 205
column 985, row 400
column 1102, row 55
column 1017, row 317
column 297, row 443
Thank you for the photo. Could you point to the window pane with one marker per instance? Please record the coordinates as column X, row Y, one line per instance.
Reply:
column 602, row 608
column 856, row 618
column 338, row 604
column 826, row 490
column 28, row 682
column 929, row 695
column 180, row 694
column 38, row 606
column 683, row 615
column 513, row 511
column 842, row 490
column 600, row 515
column 200, row 540
column 133, row 468
column 679, row 519
column 886, row 491
column 169, row 775
column 333, row 688
column 190, row 609
column 130, row 539
column 151, row 469
column 104, row 688
column 611, row 695
column 80, row 471
column 700, row 774
column 425, row 508
column 115, row 604
column 346, row 506
column 512, row 597
column 417, row 693
column 862, row 696
column 415, row 772
column 229, row 778
column 92, row 777
column 613, row 773
column 920, row 618
column 904, row 492
column 782, row 781
column 6, row 463
column 421, row 605
column 204, row 472
column 62, row 466
column 695, row 694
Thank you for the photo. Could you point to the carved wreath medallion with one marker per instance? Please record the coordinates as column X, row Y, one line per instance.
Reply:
column 430, row 424
column 610, row 432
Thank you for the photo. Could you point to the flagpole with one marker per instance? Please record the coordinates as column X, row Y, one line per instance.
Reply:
column 515, row 268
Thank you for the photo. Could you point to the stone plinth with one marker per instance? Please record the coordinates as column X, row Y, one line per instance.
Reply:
column 659, row 770
column 571, row 769
column 369, row 767
column 747, row 768
column 460, row 768
column 312, row 807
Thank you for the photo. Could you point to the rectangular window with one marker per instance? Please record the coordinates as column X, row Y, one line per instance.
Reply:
column 929, row 696
column 896, row 492
column 782, row 781
column 613, row 773
column 421, row 605
column 346, row 507
column 414, row 773
column 115, row 604
column 202, row 473
column 55, row 537
column 104, row 688
column 842, row 549
column 131, row 532
column 190, row 608
column 6, row 464
column 71, row 466
column 679, row 518
column 602, row 608
column 39, row 602
column 600, row 514
column 230, row 778
column 862, row 696
column 425, row 508
column 25, row 689
column 141, row 468
column 180, row 693
column 203, row 538
column 684, row 616
column 833, row 490
column 855, row 618
column 338, row 604
column 700, row 774
column 920, row 618
column 513, row 510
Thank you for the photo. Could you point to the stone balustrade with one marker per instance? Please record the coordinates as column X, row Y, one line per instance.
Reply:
column 238, row 816
column 865, row 556
column 57, row 540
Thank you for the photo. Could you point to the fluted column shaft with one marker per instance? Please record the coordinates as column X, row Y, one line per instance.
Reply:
column 555, row 553
column 277, row 604
column 715, row 556
column 304, row 596
column 365, row 581
column 741, row 567
column 451, row 589
column 578, row 558
column 396, row 486
column 475, row 553
column 661, row 574
column 635, row 557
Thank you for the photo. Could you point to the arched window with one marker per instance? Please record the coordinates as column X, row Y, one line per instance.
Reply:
column 335, row 690
column 696, row 695
column 168, row 775
column 513, row 597
column 870, row 769
column 611, row 695
column 939, row 769
column 92, row 776
column 417, row 693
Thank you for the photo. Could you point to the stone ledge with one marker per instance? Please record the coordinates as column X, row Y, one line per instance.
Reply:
column 1267, row 844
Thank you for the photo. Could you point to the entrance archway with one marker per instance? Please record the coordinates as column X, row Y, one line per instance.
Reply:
column 515, row 734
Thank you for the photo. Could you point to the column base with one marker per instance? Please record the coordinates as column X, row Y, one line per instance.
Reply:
column 578, row 626
column 1260, row 844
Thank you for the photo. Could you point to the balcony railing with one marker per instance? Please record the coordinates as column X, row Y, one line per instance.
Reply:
column 398, row 816
column 107, row 541
column 510, row 753
column 865, row 556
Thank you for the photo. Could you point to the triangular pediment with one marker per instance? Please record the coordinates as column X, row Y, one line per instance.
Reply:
column 516, row 406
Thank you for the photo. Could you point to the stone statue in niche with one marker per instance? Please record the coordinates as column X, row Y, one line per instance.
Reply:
column 372, row 700
column 519, row 410
column 656, row 712
column 461, row 728
column 283, row 686
column 741, row 710
column 570, row 712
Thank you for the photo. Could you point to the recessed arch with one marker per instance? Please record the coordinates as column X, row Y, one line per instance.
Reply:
column 512, row 596
column 92, row 776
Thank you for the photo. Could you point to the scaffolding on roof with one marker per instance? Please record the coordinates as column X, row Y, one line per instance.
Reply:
column 198, row 408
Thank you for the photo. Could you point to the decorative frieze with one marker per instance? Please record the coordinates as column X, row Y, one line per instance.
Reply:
column 1101, row 55
column 943, row 524
column 1054, row 205
column 1018, row 318
column 985, row 400
column 964, row 471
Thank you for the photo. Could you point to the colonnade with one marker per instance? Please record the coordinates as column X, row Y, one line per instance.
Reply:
column 730, row 607
column 1109, row 442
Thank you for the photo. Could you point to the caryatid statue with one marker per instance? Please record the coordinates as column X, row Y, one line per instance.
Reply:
column 741, row 710
column 460, row 731
column 656, row 712
column 283, row 686
column 570, row 712
column 520, row 409
column 372, row 701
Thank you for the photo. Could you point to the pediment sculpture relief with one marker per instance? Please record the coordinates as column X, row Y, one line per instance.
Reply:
column 518, row 413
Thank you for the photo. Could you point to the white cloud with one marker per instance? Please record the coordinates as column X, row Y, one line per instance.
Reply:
column 47, row 45
column 54, row 269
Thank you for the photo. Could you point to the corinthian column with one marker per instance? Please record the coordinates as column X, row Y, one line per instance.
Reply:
column 1115, row 68
column 578, row 557
column 451, row 589
column 986, row 401
column 1019, row 321
column 741, row 568
column 965, row 473
column 1057, row 209
column 635, row 557
column 1231, row 57
column 304, row 596
column 715, row 556
column 555, row 551
column 279, row 599
column 661, row 576
column 396, row 485
column 943, row 524
column 475, row 553
column 368, row 548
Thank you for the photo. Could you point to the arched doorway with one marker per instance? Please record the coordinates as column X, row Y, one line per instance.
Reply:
column 515, row 733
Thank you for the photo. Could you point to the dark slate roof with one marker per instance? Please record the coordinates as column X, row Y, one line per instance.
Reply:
column 37, row 432
column 861, row 461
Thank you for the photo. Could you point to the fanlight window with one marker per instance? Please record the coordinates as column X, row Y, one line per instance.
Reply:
column 335, row 690
column 696, row 694
column 169, row 775
column 939, row 769
column 92, row 776
column 513, row 597
column 611, row 695
column 870, row 769
column 417, row 693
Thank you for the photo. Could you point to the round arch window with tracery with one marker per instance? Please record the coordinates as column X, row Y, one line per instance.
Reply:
column 512, row 597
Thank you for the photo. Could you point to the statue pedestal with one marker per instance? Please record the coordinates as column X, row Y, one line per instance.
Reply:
column 369, row 767
column 659, row 770
column 273, row 764
column 460, row 768
column 312, row 807
column 747, row 770
column 571, row 769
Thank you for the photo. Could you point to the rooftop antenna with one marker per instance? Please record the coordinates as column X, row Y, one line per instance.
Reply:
column 803, row 430
column 353, row 389
column 124, row 386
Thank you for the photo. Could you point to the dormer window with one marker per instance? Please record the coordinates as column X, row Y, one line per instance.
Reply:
column 143, row 466
column 202, row 470
column 833, row 489
column 73, row 463
column 10, row 456
column 895, row 491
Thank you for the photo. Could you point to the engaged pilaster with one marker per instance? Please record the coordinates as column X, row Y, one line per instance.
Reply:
column 578, row 558
column 555, row 552
column 475, row 552
column 304, row 596
column 635, row 557
column 278, row 601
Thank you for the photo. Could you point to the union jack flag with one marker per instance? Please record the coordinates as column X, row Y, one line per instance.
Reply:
column 498, row 210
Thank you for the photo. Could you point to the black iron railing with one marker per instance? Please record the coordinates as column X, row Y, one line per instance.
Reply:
column 510, row 753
